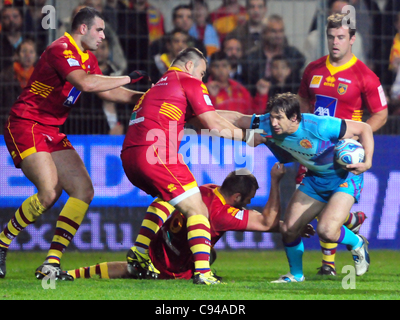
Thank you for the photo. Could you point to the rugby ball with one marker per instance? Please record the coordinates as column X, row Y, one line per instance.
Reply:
column 349, row 151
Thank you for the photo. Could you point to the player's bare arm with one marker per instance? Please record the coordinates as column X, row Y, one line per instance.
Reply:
column 268, row 220
column 364, row 132
column 95, row 83
column 223, row 128
column 121, row 95
column 377, row 120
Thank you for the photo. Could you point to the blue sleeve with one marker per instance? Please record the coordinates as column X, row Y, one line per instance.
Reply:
column 261, row 122
column 330, row 127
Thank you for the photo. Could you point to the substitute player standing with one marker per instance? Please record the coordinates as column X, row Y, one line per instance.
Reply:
column 151, row 161
column 44, row 154
column 341, row 86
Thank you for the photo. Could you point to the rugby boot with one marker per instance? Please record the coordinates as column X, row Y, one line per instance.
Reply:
column 52, row 270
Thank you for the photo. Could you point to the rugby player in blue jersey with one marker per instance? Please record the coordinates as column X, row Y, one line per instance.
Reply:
column 328, row 190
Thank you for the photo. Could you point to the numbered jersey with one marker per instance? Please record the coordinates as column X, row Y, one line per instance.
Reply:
column 342, row 92
column 48, row 97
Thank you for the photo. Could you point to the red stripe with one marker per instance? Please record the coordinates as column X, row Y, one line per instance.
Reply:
column 68, row 221
column 24, row 219
column 198, row 227
column 161, row 207
column 87, row 272
column 98, row 270
column 77, row 274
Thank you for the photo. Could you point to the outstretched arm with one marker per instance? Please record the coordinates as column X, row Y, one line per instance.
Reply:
column 268, row 220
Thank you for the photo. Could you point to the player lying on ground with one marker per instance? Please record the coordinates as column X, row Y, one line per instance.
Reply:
column 171, row 257
column 328, row 190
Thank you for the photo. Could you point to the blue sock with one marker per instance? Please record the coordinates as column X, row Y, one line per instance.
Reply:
column 348, row 237
column 294, row 254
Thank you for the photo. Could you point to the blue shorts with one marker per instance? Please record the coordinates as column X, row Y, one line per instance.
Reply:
column 322, row 188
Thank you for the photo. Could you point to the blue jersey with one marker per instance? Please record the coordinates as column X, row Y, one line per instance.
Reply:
column 312, row 144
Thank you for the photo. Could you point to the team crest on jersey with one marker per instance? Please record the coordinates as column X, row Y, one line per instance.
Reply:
column 342, row 88
column 316, row 81
column 330, row 81
column 305, row 143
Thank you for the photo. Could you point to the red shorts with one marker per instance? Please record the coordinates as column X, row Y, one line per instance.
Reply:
column 24, row 137
column 164, row 180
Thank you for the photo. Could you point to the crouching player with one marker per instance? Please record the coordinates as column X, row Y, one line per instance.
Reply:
column 171, row 257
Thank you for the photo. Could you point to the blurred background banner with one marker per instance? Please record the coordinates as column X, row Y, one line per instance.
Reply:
column 118, row 208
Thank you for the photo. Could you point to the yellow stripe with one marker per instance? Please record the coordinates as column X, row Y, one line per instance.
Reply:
column 198, row 219
column 61, row 240
column 200, row 248
column 150, row 225
column 28, row 152
column 202, row 264
column 84, row 55
column 219, row 195
column 198, row 233
column 104, row 270
column 142, row 239
column 40, row 84
column 326, row 245
column 333, row 70
column 92, row 271
column 171, row 111
column 175, row 108
column 169, row 115
column 190, row 186
column 165, row 204
column 158, row 212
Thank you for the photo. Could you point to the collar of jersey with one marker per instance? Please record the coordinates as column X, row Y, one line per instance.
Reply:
column 333, row 70
column 175, row 68
column 219, row 195
column 84, row 55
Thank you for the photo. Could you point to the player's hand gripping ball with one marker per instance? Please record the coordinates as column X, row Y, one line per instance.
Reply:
column 349, row 151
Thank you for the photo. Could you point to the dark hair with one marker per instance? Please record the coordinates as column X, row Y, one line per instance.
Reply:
column 241, row 181
column 169, row 35
column 179, row 7
column 189, row 54
column 336, row 21
column 287, row 103
column 281, row 57
column 85, row 16
column 218, row 56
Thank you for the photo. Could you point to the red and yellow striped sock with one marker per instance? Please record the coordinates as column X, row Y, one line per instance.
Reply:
column 68, row 222
column 328, row 253
column 26, row 214
column 199, row 239
column 100, row 270
column 157, row 214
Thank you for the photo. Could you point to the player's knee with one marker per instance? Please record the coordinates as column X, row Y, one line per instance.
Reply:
column 327, row 233
column 48, row 198
column 289, row 233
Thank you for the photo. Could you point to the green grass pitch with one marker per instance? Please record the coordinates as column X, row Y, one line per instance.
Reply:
column 247, row 275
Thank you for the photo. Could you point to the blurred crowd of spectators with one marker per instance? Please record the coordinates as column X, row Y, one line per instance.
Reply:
column 250, row 57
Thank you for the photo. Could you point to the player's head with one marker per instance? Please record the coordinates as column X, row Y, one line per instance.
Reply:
column 193, row 61
column 89, row 23
column 340, row 37
column 284, row 110
column 239, row 187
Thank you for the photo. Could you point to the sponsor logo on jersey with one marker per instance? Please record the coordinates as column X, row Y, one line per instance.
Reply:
column 316, row 81
column 330, row 81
